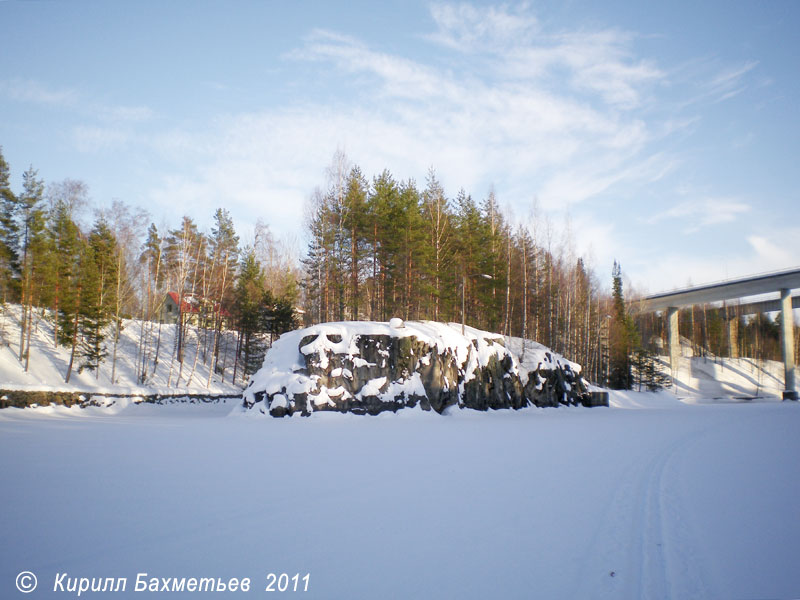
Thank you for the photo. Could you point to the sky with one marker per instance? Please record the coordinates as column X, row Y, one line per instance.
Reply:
column 661, row 135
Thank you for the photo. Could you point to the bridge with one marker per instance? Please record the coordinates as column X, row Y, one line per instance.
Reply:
column 781, row 282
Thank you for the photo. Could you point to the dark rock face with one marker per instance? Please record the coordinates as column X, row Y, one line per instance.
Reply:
column 376, row 373
column 551, row 387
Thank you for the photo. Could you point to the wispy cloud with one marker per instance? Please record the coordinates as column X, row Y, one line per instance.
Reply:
column 715, row 83
column 502, row 111
column 775, row 255
column 729, row 82
column 594, row 62
column 698, row 213
column 128, row 114
column 674, row 269
column 469, row 28
column 34, row 92
column 564, row 116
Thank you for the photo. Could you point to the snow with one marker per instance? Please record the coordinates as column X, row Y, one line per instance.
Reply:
column 532, row 356
column 654, row 497
column 704, row 378
column 48, row 363
column 657, row 496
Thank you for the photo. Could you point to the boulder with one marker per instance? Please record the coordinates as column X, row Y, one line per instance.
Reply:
column 369, row 368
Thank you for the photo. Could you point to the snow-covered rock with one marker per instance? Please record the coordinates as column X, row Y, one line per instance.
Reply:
column 370, row 367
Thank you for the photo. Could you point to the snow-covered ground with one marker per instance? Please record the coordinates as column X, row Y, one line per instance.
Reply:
column 47, row 366
column 700, row 377
column 651, row 498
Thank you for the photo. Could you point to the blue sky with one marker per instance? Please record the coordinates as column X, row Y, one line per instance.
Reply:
column 667, row 133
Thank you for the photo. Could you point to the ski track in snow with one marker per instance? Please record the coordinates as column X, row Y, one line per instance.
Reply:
column 639, row 549
column 677, row 501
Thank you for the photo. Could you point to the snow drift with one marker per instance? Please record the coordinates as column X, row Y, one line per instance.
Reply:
column 370, row 367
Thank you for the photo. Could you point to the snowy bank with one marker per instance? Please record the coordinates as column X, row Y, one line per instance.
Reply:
column 146, row 364
column 370, row 367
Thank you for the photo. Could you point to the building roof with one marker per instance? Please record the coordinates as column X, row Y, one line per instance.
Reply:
column 191, row 304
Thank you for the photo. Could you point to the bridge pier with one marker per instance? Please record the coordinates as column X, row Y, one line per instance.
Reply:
column 733, row 335
column 787, row 341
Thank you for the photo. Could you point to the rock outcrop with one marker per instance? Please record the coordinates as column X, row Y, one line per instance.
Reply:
column 368, row 368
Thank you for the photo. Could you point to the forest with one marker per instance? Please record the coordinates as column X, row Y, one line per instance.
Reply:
column 377, row 247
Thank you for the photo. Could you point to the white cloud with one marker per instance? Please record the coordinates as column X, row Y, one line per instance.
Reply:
column 503, row 119
column 698, row 213
column 465, row 27
column 30, row 91
column 715, row 83
column 776, row 255
column 681, row 267
column 36, row 92
column 131, row 114
column 563, row 116
column 100, row 139
column 728, row 83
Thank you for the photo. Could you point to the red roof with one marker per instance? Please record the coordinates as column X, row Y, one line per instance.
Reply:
column 191, row 305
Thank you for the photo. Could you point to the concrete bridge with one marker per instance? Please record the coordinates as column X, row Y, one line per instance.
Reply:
column 781, row 282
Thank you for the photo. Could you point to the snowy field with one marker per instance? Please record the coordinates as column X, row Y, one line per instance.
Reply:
column 651, row 498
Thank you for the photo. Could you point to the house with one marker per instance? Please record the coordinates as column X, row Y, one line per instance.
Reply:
column 194, row 309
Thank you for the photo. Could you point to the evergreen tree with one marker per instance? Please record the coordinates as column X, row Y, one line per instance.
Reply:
column 354, row 224
column 151, row 257
column 182, row 253
column 622, row 335
column 437, row 211
column 383, row 204
column 277, row 316
column 9, row 234
column 224, row 248
column 64, row 239
column 98, row 301
column 31, row 224
column 412, row 250
column 249, row 313
column 493, row 261
column 646, row 373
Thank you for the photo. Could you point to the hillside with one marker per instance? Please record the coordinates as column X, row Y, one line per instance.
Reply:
column 48, row 363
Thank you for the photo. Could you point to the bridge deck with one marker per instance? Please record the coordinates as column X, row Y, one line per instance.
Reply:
column 725, row 290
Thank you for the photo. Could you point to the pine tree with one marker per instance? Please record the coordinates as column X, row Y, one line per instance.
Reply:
column 224, row 248
column 354, row 225
column 99, row 285
column 182, row 248
column 70, row 308
column 646, row 373
column 437, row 212
column 31, row 226
column 9, row 234
column 249, row 295
column 65, row 239
column 493, row 260
column 622, row 336
column 410, row 231
column 383, row 202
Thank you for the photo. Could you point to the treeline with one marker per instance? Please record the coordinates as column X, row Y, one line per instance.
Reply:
column 87, row 279
column 383, row 247
column 378, row 247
